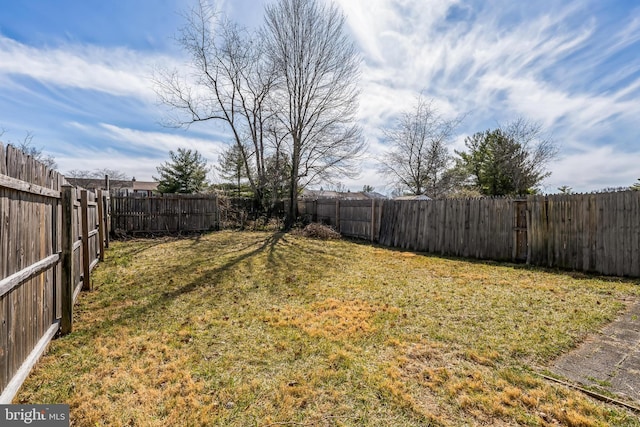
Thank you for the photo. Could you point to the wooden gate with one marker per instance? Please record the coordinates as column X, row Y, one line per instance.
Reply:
column 520, row 230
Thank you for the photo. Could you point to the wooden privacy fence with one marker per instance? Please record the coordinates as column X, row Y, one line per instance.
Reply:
column 353, row 218
column 51, row 236
column 171, row 213
column 590, row 232
column 477, row 228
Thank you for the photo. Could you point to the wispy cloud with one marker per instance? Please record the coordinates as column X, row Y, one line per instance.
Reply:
column 550, row 62
column 595, row 169
column 162, row 142
column 131, row 151
column 116, row 71
column 568, row 65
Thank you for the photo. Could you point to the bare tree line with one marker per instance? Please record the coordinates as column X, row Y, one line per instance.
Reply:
column 509, row 160
column 286, row 92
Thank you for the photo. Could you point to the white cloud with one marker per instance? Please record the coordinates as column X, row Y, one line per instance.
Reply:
column 493, row 61
column 117, row 71
column 595, row 169
column 142, row 168
column 123, row 153
column 162, row 142
column 500, row 61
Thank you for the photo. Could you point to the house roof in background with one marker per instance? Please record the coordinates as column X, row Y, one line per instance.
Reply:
column 99, row 184
column 418, row 197
column 145, row 185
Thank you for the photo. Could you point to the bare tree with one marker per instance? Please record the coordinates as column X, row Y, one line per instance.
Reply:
column 27, row 147
column 419, row 158
column 79, row 173
column 113, row 174
column 535, row 153
column 316, row 98
column 338, row 187
column 230, row 83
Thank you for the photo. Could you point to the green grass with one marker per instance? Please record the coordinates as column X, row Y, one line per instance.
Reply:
column 259, row 329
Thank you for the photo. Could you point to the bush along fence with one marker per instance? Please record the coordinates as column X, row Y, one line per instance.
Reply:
column 51, row 237
column 597, row 233
column 352, row 218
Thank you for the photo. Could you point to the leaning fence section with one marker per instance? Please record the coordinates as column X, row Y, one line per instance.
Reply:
column 164, row 214
column 49, row 240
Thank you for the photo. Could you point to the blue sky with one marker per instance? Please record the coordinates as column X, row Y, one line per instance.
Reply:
column 77, row 74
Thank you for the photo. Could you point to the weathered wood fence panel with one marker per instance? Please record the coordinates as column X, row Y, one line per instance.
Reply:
column 31, row 273
column 358, row 218
column 589, row 232
column 326, row 212
column 164, row 214
column 479, row 228
column 29, row 254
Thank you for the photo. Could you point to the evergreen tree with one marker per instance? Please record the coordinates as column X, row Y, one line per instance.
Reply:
column 489, row 161
column 565, row 189
column 507, row 161
column 231, row 166
column 185, row 173
column 367, row 189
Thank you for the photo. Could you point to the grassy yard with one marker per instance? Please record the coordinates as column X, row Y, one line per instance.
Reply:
column 262, row 329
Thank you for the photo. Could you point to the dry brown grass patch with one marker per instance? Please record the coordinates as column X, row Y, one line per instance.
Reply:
column 332, row 318
column 252, row 329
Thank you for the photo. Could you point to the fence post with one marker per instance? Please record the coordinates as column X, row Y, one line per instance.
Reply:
column 373, row 218
column 101, row 223
column 84, row 214
column 529, row 231
column 338, row 215
column 180, row 215
column 107, row 210
column 106, row 201
column 67, row 259
column 217, row 204
column 314, row 218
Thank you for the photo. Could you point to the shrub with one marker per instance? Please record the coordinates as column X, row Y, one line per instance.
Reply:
column 318, row 231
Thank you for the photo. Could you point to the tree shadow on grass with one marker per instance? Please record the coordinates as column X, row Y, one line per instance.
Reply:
column 239, row 250
column 129, row 250
column 269, row 244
